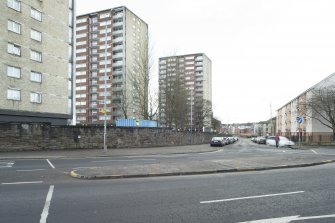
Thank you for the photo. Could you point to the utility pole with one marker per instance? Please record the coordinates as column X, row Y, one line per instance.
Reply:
column 105, row 90
column 191, row 112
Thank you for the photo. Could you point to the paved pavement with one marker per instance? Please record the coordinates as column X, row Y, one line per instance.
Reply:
column 184, row 167
column 83, row 153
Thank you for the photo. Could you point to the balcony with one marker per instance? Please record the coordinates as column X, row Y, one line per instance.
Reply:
column 199, row 58
column 117, row 48
column 117, row 64
column 94, row 52
column 118, row 15
column 115, row 89
column 117, row 32
column 118, row 80
column 199, row 68
column 117, row 72
column 94, row 83
column 94, row 37
column 118, row 55
column 116, row 97
column 118, row 39
column 117, row 24
column 94, row 30
column 93, row 106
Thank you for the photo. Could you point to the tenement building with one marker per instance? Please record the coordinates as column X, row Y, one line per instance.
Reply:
column 306, row 115
column 36, row 44
column 111, row 57
column 185, row 92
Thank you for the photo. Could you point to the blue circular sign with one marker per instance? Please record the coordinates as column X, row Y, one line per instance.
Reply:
column 299, row 119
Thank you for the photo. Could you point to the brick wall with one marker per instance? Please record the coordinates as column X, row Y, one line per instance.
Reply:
column 15, row 137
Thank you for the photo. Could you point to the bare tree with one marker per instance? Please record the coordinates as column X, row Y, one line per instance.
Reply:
column 321, row 106
column 144, row 96
column 216, row 124
column 174, row 98
column 153, row 104
column 202, row 113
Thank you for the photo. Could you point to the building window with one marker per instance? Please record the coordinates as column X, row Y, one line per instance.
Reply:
column 108, row 117
column 35, row 55
column 14, row 94
column 35, row 14
column 36, row 35
column 81, row 88
column 14, row 49
column 36, row 97
column 105, row 23
column 80, row 103
column 80, row 65
column 82, row 50
column 81, row 20
column 81, row 118
column 105, row 15
column 36, row 76
column 81, row 43
column 79, row 28
column 13, row 72
column 14, row 27
column 14, row 4
column 81, row 35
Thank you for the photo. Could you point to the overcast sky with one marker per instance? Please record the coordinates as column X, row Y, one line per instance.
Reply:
column 262, row 51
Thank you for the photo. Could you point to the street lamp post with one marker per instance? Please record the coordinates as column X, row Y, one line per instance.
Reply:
column 105, row 90
column 191, row 113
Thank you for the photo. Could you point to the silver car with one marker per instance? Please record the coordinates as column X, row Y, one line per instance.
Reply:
column 283, row 141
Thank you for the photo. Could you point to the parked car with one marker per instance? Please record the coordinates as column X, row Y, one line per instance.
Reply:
column 231, row 140
column 218, row 141
column 283, row 141
column 260, row 140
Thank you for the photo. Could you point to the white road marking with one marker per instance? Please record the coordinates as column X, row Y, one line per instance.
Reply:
column 31, row 182
column 30, row 170
column 289, row 219
column 105, row 161
column 52, row 166
column 251, row 197
column 5, row 164
column 45, row 211
column 314, row 151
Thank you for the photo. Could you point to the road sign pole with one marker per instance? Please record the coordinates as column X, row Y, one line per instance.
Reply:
column 299, row 120
column 299, row 137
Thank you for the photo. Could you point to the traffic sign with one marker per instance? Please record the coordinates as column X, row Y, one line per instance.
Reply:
column 299, row 119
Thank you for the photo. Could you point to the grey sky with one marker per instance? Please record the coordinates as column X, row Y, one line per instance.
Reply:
column 262, row 51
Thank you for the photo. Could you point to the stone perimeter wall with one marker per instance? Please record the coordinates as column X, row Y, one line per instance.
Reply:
column 19, row 137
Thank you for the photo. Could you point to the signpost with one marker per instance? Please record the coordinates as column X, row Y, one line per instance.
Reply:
column 299, row 120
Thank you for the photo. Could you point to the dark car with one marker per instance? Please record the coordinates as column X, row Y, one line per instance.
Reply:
column 218, row 141
column 261, row 140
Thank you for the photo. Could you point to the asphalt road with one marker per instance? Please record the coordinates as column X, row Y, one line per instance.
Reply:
column 40, row 191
